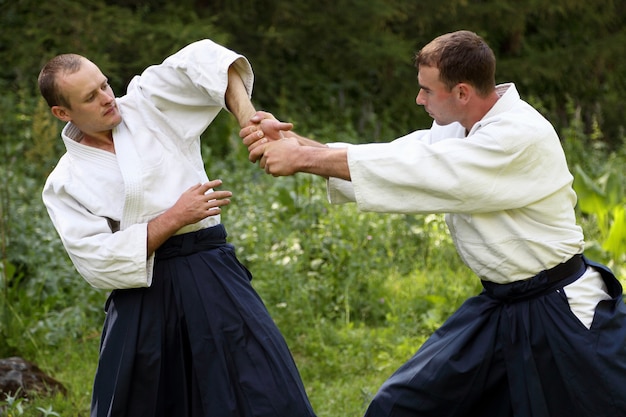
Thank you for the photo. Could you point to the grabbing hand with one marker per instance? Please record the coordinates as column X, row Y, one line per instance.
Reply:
column 263, row 127
column 278, row 158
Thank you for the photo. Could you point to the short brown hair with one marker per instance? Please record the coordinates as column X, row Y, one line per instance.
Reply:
column 461, row 56
column 60, row 64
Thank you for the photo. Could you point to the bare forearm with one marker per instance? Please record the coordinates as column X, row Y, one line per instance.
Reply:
column 160, row 229
column 289, row 156
column 304, row 141
column 237, row 100
column 323, row 161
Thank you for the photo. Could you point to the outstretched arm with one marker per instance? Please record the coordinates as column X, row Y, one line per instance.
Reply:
column 289, row 156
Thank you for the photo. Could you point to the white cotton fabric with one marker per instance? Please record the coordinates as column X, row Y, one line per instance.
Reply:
column 584, row 294
column 505, row 187
column 100, row 203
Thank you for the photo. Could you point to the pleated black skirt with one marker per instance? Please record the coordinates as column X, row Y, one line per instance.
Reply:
column 198, row 343
column 517, row 350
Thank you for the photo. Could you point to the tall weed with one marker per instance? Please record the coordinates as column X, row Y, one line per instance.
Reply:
column 601, row 191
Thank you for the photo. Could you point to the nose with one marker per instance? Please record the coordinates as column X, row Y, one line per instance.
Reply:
column 419, row 100
column 106, row 98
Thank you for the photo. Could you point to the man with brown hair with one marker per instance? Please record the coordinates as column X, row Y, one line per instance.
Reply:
column 547, row 336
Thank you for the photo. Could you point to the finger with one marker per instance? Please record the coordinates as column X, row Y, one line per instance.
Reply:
column 194, row 187
column 218, row 195
column 256, row 153
column 213, row 211
column 203, row 188
column 214, row 183
column 245, row 131
column 256, row 144
column 217, row 203
column 260, row 115
column 274, row 124
column 247, row 140
column 248, row 130
column 285, row 126
column 254, row 135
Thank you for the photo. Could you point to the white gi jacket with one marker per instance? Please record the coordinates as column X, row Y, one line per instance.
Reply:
column 506, row 187
column 100, row 203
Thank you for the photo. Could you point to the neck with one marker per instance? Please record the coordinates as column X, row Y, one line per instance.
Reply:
column 479, row 109
column 102, row 141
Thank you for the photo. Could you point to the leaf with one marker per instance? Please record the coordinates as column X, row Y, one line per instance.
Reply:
column 616, row 240
column 591, row 197
column 8, row 270
column 614, row 187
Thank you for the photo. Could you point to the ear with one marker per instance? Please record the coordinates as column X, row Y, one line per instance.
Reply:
column 61, row 113
column 463, row 91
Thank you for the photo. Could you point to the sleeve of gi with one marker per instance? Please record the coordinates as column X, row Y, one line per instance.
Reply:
column 106, row 260
column 494, row 169
column 340, row 191
column 189, row 86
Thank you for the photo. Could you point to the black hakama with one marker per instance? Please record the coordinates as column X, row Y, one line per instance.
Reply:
column 198, row 343
column 518, row 350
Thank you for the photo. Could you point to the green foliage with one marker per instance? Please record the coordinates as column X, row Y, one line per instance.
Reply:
column 352, row 61
column 346, row 63
column 601, row 190
column 120, row 40
column 12, row 405
column 341, row 66
column 605, row 199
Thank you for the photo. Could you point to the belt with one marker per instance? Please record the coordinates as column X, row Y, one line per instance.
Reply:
column 192, row 242
column 571, row 267
column 543, row 283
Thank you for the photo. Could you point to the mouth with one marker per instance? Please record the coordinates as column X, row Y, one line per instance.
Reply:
column 110, row 111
